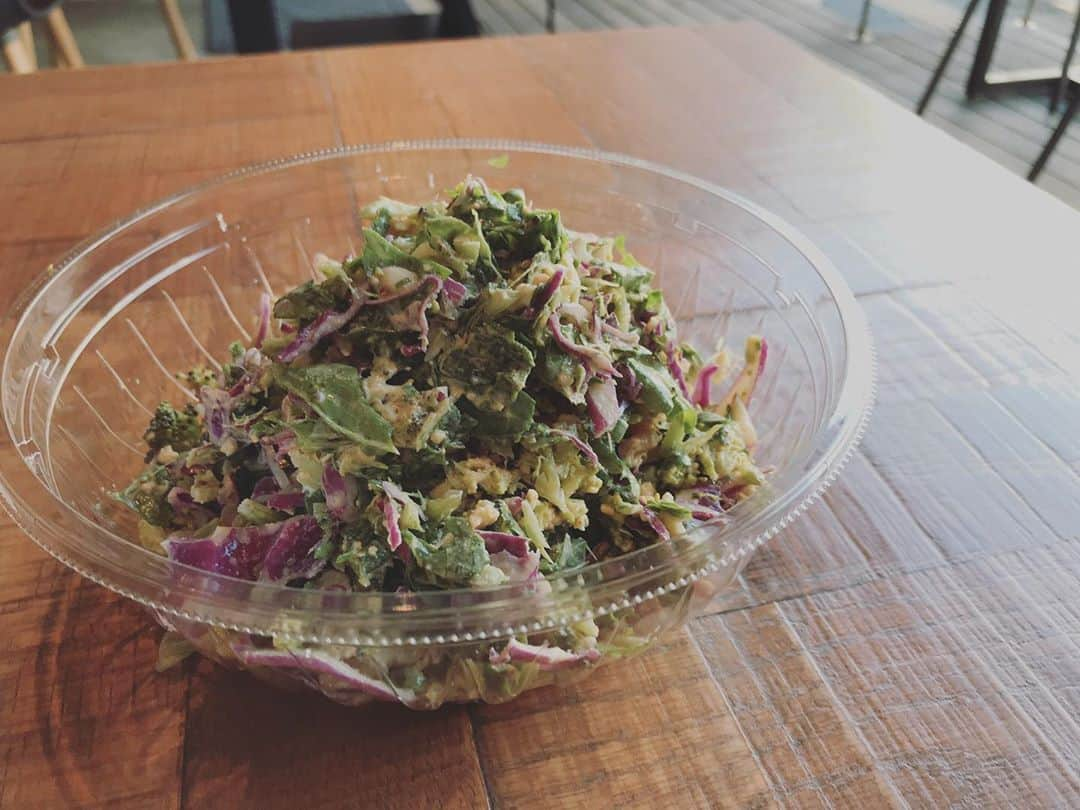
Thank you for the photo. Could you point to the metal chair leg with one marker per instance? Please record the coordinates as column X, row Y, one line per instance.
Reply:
column 1048, row 150
column 1062, row 87
column 946, row 57
column 864, row 20
column 1026, row 19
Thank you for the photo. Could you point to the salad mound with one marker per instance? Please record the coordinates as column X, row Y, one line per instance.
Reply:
column 481, row 396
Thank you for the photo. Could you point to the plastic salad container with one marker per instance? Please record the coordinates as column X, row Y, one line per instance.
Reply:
column 95, row 343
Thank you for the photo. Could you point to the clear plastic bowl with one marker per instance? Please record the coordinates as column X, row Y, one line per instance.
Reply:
column 94, row 343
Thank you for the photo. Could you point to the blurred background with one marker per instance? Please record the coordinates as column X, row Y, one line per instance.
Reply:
column 1005, row 87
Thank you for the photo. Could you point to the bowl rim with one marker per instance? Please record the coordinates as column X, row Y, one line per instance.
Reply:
column 182, row 591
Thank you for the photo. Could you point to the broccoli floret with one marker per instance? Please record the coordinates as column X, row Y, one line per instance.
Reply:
column 147, row 496
column 198, row 377
column 179, row 429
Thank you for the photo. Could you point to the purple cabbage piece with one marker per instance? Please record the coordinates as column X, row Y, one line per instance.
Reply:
column 185, row 506
column 495, row 542
column 544, row 293
column 703, row 384
column 517, row 569
column 455, row 291
column 629, row 387
column 291, row 556
column 675, row 367
column 326, row 667
column 617, row 337
column 264, row 486
column 603, row 402
column 586, row 451
column 308, row 337
column 593, row 357
column 391, row 516
column 656, row 524
column 340, row 494
column 277, row 551
column 217, row 406
column 264, row 320
column 547, row 658
column 284, row 501
column 233, row 551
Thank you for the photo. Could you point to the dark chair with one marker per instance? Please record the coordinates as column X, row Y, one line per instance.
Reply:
column 1062, row 87
column 363, row 31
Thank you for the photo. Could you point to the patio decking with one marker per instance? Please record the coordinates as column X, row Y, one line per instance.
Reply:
column 908, row 36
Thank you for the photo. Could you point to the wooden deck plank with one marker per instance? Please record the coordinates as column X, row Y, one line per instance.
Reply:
column 1011, row 130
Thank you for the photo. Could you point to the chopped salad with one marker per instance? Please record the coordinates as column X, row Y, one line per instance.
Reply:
column 481, row 396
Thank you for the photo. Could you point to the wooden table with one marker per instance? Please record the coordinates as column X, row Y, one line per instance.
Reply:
column 912, row 640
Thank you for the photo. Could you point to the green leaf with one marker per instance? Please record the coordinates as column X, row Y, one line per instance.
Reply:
column 568, row 554
column 490, row 367
column 253, row 513
column 656, row 384
column 336, row 393
column 511, row 423
column 310, row 300
column 379, row 252
column 499, row 161
column 626, row 258
column 457, row 555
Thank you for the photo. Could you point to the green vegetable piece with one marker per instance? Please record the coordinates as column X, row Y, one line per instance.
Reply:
column 310, row 300
column 368, row 563
column 437, row 509
column 656, row 384
column 253, row 513
column 570, row 553
column 490, row 367
column 681, row 421
column 181, row 430
column 457, row 556
column 511, row 423
column 147, row 496
column 379, row 252
column 381, row 223
column 335, row 392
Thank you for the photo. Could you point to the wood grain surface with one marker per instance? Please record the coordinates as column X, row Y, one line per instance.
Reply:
column 914, row 640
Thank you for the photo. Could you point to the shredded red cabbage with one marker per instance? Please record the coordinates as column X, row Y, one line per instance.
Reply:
column 594, row 358
column 675, row 367
column 655, row 523
column 285, row 501
column 340, row 494
column 586, row 451
column 544, row 293
column 323, row 665
column 185, row 506
column 702, row 385
column 548, row 658
column 216, row 411
column 308, row 337
column 276, row 551
column 495, row 542
column 603, row 405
